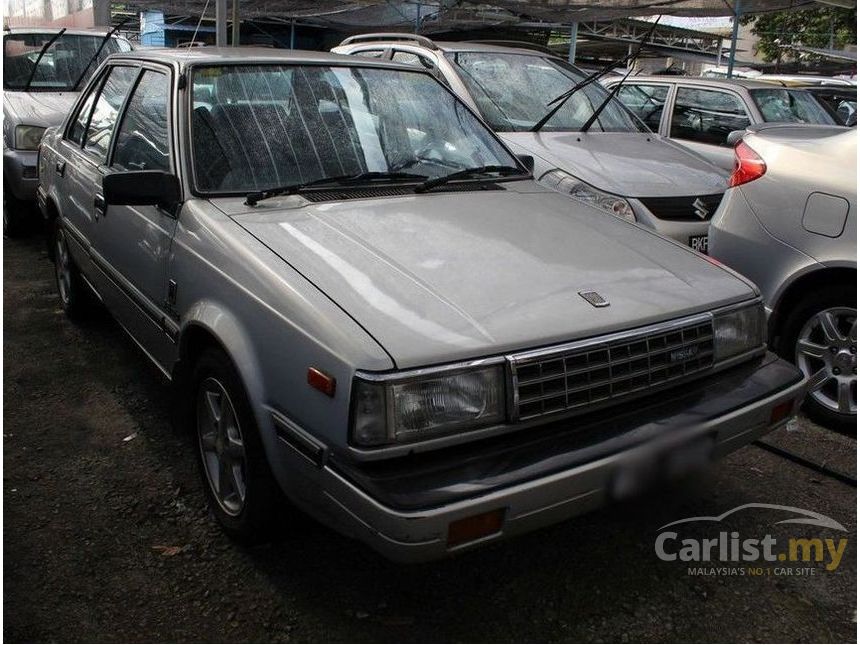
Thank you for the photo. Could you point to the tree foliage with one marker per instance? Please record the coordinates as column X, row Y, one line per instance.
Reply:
column 822, row 27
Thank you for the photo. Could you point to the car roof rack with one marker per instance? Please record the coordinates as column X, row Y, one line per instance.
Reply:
column 390, row 36
column 521, row 44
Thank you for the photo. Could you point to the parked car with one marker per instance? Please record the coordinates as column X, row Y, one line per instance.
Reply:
column 789, row 223
column 363, row 299
column 617, row 164
column 841, row 101
column 43, row 70
column 701, row 112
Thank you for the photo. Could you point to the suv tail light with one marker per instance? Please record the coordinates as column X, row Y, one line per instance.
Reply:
column 748, row 165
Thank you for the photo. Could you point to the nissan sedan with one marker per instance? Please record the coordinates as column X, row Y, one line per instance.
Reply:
column 364, row 302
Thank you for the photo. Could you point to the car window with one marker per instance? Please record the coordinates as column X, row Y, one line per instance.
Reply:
column 645, row 101
column 76, row 131
column 370, row 53
column 707, row 116
column 272, row 125
column 790, row 106
column 61, row 65
column 512, row 92
column 412, row 59
column 142, row 142
column 106, row 109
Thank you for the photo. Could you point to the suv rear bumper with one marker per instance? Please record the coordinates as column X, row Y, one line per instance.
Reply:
column 404, row 509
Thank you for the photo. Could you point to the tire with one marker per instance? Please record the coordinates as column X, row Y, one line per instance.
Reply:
column 15, row 214
column 820, row 336
column 74, row 295
column 240, row 488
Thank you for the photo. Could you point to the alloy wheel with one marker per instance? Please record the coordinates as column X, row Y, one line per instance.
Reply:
column 62, row 266
column 826, row 352
column 221, row 446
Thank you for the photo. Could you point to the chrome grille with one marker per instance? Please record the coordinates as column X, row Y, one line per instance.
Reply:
column 594, row 371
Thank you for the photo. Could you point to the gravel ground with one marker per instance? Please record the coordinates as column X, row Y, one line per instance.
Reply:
column 106, row 537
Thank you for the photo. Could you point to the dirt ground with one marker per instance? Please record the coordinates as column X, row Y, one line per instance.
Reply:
column 106, row 537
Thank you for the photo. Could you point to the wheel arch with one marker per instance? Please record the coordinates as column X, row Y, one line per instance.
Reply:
column 802, row 284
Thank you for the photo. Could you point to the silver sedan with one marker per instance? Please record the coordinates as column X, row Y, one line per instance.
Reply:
column 789, row 223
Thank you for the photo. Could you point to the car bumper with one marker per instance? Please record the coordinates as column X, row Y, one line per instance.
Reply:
column 689, row 233
column 404, row 510
column 21, row 173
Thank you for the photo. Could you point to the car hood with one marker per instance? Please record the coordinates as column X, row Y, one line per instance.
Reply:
column 630, row 164
column 38, row 108
column 450, row 276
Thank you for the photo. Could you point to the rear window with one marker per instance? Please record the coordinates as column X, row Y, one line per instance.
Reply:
column 790, row 106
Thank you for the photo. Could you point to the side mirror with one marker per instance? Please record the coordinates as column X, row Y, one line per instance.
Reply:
column 142, row 188
column 735, row 136
column 528, row 161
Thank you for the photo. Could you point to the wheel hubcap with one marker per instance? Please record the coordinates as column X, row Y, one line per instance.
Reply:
column 221, row 446
column 61, row 265
column 827, row 353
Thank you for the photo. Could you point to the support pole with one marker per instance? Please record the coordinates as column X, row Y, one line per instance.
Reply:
column 417, row 17
column 734, row 47
column 571, row 51
column 292, row 34
column 221, row 23
column 235, row 23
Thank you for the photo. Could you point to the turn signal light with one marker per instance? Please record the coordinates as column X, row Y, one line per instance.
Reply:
column 475, row 527
column 321, row 381
column 748, row 165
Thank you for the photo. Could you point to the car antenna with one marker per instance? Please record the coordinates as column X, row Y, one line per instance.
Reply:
column 45, row 48
column 99, row 50
column 561, row 99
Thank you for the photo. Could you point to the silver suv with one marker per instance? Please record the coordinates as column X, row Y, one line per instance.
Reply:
column 43, row 71
column 617, row 165
column 364, row 300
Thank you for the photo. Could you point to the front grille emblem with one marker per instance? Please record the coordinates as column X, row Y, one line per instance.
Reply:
column 594, row 299
column 701, row 209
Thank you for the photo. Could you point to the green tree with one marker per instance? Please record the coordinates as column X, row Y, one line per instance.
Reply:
column 822, row 27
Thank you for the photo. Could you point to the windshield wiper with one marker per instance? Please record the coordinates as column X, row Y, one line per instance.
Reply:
column 468, row 172
column 251, row 199
column 102, row 44
column 42, row 51
column 562, row 98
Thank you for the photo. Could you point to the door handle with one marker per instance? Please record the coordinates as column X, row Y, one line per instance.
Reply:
column 61, row 168
column 100, row 205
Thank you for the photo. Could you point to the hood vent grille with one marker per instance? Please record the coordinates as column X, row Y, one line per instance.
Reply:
column 371, row 192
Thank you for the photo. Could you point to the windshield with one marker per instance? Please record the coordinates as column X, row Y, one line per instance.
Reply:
column 61, row 64
column 256, row 127
column 790, row 106
column 512, row 92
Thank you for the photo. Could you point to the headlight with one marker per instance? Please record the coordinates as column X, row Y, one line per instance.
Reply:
column 570, row 185
column 28, row 137
column 738, row 331
column 417, row 408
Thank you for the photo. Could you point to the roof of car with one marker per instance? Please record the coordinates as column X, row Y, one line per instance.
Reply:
column 710, row 82
column 185, row 56
column 94, row 31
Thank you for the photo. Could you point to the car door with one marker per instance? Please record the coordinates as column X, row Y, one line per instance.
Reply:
column 82, row 150
column 702, row 119
column 133, row 242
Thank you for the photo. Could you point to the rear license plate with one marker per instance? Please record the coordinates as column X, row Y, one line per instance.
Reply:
column 699, row 243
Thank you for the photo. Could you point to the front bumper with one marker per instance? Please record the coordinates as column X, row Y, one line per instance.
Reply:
column 679, row 230
column 403, row 508
column 21, row 173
